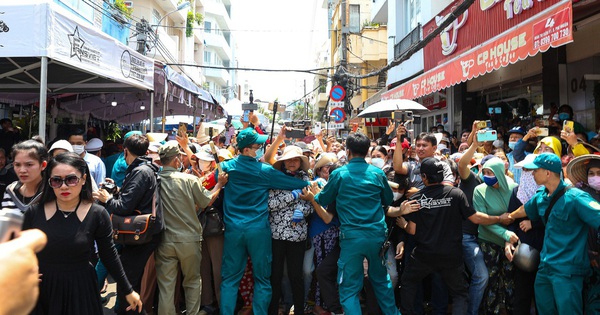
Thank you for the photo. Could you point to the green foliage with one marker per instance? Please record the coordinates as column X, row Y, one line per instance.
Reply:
column 120, row 5
column 189, row 23
column 113, row 131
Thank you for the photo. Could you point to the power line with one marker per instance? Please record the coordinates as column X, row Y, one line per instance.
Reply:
column 248, row 30
column 460, row 9
column 373, row 39
column 310, row 71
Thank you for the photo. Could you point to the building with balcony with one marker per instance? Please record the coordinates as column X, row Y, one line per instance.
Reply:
column 219, row 49
column 366, row 47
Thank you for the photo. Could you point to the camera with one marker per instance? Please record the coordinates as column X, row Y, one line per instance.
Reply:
column 109, row 187
column 10, row 224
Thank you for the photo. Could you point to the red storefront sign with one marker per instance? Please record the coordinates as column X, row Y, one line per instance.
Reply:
column 485, row 19
column 550, row 28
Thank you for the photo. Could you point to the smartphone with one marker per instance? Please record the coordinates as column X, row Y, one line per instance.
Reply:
column 246, row 116
column 482, row 124
column 568, row 125
column 409, row 115
column 295, row 133
column 486, row 135
column 542, row 132
column 317, row 130
column 182, row 129
column 229, row 119
column 398, row 116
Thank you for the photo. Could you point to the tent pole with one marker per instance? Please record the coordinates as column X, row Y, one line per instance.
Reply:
column 151, row 111
column 164, row 116
column 43, row 95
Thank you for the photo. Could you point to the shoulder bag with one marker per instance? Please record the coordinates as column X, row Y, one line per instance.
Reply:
column 553, row 201
column 139, row 229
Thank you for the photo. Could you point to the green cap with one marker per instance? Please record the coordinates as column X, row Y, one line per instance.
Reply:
column 248, row 137
column 548, row 161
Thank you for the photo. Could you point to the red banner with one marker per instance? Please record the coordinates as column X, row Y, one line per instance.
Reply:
column 551, row 28
column 484, row 20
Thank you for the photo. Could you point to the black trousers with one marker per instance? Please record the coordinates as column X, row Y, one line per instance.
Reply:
column 134, row 259
column 327, row 277
column 453, row 275
column 524, row 293
column 292, row 254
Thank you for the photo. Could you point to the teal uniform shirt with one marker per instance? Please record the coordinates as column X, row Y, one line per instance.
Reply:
column 246, row 194
column 119, row 170
column 565, row 242
column 360, row 190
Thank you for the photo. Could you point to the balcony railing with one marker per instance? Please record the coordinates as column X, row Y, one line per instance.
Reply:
column 410, row 39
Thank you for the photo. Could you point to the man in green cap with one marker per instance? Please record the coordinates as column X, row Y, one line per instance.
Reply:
column 564, row 261
column 246, row 218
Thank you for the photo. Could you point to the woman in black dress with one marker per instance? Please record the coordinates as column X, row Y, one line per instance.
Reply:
column 72, row 222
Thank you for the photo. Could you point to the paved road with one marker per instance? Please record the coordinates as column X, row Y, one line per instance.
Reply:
column 111, row 294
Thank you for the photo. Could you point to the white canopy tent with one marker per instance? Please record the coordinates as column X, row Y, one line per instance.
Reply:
column 48, row 50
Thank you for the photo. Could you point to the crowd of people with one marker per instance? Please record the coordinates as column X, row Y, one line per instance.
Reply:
column 413, row 224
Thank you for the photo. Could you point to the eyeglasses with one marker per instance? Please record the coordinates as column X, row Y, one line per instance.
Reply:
column 57, row 182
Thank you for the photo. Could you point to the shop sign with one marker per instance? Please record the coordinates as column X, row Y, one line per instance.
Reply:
column 551, row 28
column 484, row 20
column 376, row 122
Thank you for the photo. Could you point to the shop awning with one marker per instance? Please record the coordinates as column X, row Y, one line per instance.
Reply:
column 81, row 58
column 552, row 27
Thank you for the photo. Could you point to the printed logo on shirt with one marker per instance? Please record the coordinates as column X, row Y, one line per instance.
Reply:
column 431, row 203
column 595, row 205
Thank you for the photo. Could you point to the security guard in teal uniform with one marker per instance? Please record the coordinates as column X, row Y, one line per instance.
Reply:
column 564, row 258
column 360, row 190
column 247, row 229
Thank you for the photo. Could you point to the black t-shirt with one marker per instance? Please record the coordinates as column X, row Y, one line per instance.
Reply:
column 468, row 186
column 439, row 222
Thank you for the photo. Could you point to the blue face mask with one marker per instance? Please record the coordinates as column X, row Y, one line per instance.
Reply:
column 512, row 145
column 490, row 180
column 259, row 153
column 564, row 116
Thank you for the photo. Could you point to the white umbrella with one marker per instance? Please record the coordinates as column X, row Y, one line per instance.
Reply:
column 385, row 108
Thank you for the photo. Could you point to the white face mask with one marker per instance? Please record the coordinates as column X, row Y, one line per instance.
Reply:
column 378, row 162
column 78, row 149
column 441, row 147
column 397, row 196
column 204, row 165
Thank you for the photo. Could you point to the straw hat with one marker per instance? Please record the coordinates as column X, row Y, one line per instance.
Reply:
column 291, row 152
column 326, row 158
column 577, row 168
column 156, row 136
column 202, row 137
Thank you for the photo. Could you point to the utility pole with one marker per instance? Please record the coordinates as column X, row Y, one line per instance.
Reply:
column 345, row 31
column 305, row 103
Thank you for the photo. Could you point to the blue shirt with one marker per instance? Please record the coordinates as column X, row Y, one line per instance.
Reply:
column 246, row 194
column 359, row 190
column 565, row 242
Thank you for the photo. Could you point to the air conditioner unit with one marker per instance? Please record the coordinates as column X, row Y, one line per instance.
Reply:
column 196, row 46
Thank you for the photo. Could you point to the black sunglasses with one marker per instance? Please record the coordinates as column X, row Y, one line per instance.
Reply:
column 57, row 182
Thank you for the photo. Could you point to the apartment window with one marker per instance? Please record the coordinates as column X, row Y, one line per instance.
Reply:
column 207, row 57
column 322, row 86
column 155, row 17
column 354, row 18
column 413, row 14
column 207, row 27
column 80, row 7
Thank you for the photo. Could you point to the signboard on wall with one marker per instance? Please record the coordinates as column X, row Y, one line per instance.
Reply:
column 551, row 28
column 484, row 20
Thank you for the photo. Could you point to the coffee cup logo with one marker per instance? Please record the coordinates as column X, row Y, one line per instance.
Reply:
column 466, row 66
column 449, row 35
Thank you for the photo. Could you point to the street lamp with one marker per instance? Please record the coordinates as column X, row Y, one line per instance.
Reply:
column 180, row 7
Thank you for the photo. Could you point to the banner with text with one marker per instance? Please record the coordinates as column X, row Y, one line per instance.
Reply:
column 551, row 28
